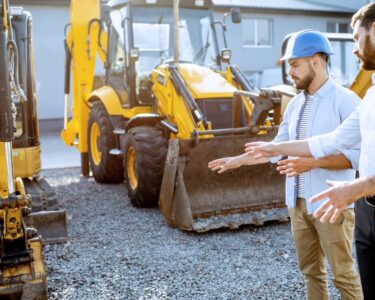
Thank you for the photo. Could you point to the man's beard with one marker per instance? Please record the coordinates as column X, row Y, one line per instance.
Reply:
column 304, row 83
column 368, row 57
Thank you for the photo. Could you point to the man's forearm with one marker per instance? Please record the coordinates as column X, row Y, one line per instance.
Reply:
column 368, row 186
column 333, row 162
column 293, row 148
column 246, row 159
column 362, row 187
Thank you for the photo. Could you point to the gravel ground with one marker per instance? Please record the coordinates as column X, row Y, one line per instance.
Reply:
column 117, row 251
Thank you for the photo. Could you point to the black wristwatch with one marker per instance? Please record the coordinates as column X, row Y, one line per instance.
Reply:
column 370, row 200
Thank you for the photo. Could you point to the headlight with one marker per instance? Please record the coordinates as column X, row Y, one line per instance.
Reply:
column 226, row 55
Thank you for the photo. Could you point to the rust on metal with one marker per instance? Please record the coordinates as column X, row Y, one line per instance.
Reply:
column 50, row 224
column 193, row 197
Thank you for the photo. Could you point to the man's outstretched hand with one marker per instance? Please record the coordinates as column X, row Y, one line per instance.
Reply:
column 223, row 164
column 296, row 166
column 339, row 195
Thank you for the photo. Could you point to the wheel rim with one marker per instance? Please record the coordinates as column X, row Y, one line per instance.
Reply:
column 94, row 141
column 131, row 168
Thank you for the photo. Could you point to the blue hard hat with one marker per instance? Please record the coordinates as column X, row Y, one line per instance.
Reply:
column 307, row 43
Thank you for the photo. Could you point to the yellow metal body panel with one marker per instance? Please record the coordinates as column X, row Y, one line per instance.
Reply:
column 33, row 272
column 3, row 173
column 171, row 105
column 12, row 216
column 26, row 161
column 13, row 223
column 112, row 103
column 204, row 82
column 109, row 98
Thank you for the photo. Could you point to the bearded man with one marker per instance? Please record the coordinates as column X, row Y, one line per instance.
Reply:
column 320, row 108
column 359, row 127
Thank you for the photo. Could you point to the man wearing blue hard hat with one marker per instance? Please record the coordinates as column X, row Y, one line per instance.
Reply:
column 359, row 127
column 320, row 108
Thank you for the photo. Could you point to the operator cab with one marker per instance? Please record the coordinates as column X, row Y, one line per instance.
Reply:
column 141, row 37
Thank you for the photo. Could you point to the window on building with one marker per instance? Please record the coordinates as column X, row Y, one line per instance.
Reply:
column 257, row 32
column 339, row 27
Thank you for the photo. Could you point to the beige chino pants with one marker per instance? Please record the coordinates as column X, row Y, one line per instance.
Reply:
column 314, row 242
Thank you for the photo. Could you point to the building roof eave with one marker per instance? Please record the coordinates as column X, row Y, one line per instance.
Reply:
column 284, row 5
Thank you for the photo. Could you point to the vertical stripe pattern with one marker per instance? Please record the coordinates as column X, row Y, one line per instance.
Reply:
column 301, row 135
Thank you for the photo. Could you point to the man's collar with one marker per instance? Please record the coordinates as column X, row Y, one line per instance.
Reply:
column 324, row 89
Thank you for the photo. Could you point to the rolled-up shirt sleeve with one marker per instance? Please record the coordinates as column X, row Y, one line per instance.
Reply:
column 353, row 156
column 345, row 139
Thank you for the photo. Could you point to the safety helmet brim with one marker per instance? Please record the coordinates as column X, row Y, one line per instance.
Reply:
column 306, row 43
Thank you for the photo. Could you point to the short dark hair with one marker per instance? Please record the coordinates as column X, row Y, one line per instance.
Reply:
column 323, row 56
column 366, row 15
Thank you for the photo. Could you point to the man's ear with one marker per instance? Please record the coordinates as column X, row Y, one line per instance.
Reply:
column 372, row 29
column 315, row 59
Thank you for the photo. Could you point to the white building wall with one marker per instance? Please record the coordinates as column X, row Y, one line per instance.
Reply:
column 256, row 59
column 48, row 34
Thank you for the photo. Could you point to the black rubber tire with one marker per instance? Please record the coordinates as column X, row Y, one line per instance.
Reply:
column 150, row 147
column 109, row 169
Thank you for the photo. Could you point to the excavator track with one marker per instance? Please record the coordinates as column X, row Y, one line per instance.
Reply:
column 46, row 216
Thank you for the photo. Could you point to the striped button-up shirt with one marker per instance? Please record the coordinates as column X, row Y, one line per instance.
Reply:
column 331, row 106
column 301, row 135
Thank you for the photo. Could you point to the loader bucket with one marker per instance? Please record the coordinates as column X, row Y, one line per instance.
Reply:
column 50, row 224
column 195, row 198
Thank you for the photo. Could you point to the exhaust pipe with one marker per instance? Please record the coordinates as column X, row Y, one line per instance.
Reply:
column 68, row 59
column 175, row 32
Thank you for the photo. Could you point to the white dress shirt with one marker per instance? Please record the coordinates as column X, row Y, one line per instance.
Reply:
column 359, row 127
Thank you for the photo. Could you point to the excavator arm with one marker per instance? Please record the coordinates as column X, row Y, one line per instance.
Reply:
column 85, row 40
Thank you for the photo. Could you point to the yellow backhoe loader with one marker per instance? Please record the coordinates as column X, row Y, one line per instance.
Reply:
column 170, row 103
column 47, row 214
column 21, row 258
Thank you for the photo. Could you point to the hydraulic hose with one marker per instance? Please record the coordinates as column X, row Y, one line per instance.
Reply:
column 6, row 116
